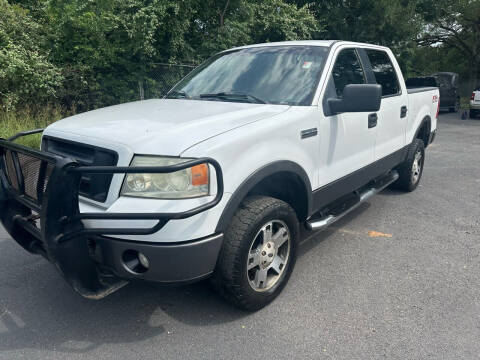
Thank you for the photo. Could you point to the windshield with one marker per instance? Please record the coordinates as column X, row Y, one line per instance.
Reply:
column 272, row 74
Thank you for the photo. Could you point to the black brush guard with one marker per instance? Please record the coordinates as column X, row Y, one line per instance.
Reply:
column 39, row 208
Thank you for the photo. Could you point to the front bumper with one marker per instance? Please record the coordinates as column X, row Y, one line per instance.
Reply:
column 172, row 263
column 39, row 202
column 474, row 105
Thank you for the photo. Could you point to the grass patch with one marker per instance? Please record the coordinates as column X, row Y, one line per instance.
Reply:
column 12, row 122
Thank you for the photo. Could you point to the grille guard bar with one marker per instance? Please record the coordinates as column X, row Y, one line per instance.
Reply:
column 63, row 184
column 39, row 208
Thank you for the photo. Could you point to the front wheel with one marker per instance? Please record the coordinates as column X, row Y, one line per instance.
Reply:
column 258, row 253
column 411, row 169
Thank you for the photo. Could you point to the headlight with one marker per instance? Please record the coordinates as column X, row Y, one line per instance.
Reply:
column 188, row 183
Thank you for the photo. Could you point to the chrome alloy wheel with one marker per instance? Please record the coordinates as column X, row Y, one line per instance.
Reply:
column 417, row 167
column 268, row 255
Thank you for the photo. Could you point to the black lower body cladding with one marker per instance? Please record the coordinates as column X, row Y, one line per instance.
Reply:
column 166, row 263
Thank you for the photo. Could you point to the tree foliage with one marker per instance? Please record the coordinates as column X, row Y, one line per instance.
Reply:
column 105, row 47
column 91, row 53
column 453, row 25
column 25, row 71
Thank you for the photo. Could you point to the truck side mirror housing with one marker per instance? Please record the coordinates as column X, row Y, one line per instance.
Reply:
column 357, row 98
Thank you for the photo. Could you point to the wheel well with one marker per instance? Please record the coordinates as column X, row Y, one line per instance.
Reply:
column 286, row 186
column 424, row 132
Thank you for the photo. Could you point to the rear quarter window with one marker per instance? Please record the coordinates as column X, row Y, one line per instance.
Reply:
column 384, row 72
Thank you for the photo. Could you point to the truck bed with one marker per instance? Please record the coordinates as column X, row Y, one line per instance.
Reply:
column 414, row 90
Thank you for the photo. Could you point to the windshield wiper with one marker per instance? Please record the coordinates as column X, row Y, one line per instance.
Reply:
column 234, row 96
column 177, row 94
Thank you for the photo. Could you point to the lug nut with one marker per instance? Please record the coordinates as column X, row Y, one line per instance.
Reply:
column 263, row 253
column 269, row 246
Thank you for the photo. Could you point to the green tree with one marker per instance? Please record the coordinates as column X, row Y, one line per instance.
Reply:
column 275, row 20
column 26, row 74
column 384, row 22
column 106, row 46
column 455, row 24
column 92, row 53
column 222, row 24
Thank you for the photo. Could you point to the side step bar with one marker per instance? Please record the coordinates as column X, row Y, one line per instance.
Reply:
column 364, row 195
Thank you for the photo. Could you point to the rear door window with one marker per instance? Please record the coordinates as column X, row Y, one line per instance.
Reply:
column 384, row 72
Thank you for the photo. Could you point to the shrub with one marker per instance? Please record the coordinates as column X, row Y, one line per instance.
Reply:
column 26, row 75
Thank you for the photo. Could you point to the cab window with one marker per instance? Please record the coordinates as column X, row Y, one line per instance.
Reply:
column 384, row 72
column 347, row 70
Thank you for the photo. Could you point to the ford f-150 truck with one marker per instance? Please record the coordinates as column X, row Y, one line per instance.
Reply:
column 216, row 179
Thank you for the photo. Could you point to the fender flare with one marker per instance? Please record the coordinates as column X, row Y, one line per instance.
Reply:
column 254, row 179
column 425, row 120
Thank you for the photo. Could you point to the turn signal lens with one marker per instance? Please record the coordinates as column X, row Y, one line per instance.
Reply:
column 200, row 175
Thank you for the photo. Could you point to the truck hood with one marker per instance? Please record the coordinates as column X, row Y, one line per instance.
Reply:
column 163, row 127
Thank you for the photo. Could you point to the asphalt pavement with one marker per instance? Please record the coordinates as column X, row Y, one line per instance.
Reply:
column 397, row 278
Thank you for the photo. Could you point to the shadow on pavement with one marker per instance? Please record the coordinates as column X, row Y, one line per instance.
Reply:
column 39, row 311
column 310, row 240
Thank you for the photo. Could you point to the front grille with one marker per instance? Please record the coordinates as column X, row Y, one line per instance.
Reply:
column 10, row 169
column 92, row 186
column 27, row 174
column 30, row 168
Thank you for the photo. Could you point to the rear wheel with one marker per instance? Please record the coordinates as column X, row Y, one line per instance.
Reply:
column 411, row 169
column 473, row 114
column 258, row 253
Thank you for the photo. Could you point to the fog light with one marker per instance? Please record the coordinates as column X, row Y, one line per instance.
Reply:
column 135, row 262
column 143, row 260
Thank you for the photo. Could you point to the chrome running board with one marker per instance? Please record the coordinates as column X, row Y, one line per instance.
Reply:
column 379, row 185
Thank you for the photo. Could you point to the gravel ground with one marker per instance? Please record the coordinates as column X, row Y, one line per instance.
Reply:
column 412, row 295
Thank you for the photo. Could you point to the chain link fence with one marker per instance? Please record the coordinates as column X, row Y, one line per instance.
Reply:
column 161, row 78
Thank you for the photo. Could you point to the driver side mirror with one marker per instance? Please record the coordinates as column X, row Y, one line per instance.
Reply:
column 357, row 98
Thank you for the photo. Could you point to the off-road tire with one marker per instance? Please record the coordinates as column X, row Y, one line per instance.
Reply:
column 406, row 181
column 230, row 278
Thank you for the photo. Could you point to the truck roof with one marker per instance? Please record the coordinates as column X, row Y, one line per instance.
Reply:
column 295, row 42
column 324, row 43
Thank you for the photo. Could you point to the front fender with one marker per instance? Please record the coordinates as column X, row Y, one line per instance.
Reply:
column 254, row 179
column 251, row 153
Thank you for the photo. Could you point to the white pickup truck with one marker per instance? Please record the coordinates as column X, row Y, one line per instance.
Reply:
column 475, row 103
column 216, row 179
